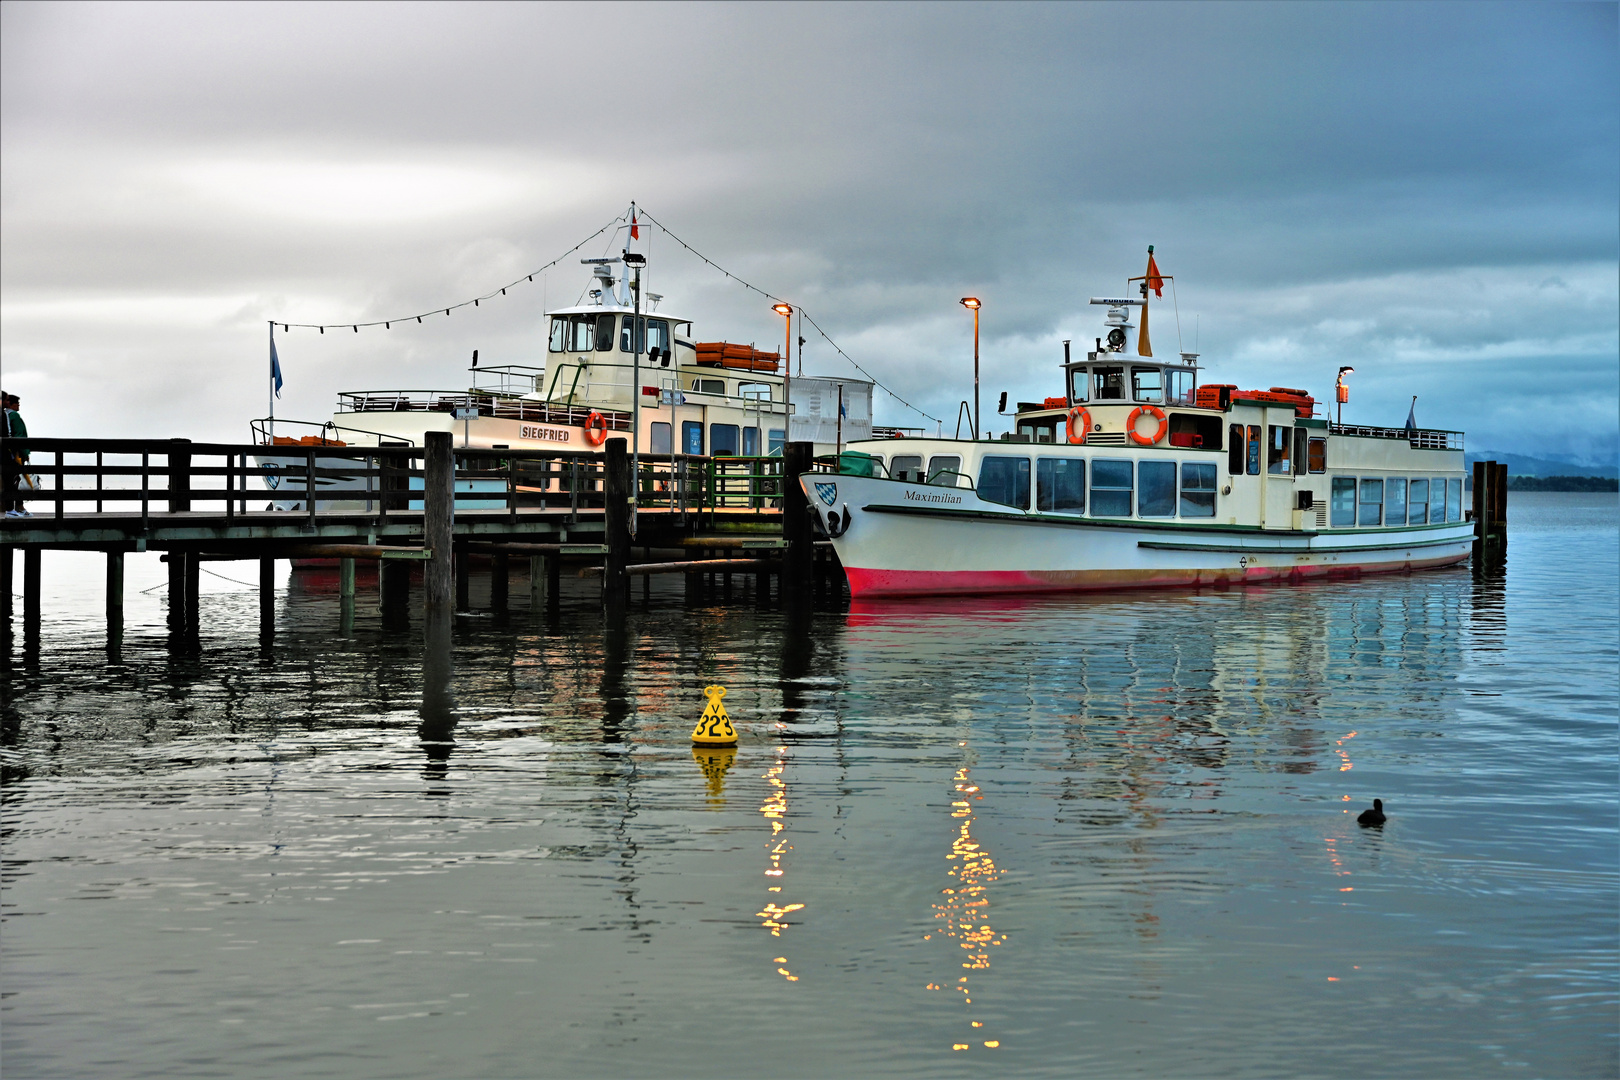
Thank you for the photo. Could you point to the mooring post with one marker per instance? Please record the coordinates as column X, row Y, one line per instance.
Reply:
column 500, row 579
column 193, row 565
column 31, row 590
column 115, row 592
column 438, row 520
column 179, row 475
column 267, row 597
column 798, row 561
column 1499, row 511
column 616, row 522
column 177, row 588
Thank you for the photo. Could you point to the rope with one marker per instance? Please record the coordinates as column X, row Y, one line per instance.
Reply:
column 803, row 314
column 355, row 326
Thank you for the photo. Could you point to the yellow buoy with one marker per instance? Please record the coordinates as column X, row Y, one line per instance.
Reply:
column 714, row 727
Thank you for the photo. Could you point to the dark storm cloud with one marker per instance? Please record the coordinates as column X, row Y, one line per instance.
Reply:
column 1383, row 184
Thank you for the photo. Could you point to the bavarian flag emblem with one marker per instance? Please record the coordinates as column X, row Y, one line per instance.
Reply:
column 828, row 493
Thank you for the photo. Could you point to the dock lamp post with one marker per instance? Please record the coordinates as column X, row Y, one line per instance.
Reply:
column 1341, row 392
column 973, row 303
column 786, row 311
column 638, row 342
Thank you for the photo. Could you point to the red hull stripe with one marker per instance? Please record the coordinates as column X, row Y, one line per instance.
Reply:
column 864, row 582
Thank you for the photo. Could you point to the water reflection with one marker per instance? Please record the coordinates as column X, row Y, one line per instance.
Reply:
column 437, row 730
column 774, row 809
column 963, row 916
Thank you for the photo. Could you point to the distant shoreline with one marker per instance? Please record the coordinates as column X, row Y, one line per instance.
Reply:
column 1563, row 483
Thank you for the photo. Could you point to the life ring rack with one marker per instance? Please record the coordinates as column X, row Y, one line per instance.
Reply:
column 1137, row 437
column 1078, row 438
column 596, row 428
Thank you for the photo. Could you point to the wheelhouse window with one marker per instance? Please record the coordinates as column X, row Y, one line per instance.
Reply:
column 1181, row 385
column 1234, row 450
column 691, row 437
column 943, row 469
column 660, row 441
column 1395, row 501
column 1317, row 456
column 1111, row 487
column 1277, row 450
column 1342, row 506
column 1108, row 383
column 1254, row 450
column 654, row 335
column 1079, row 385
column 710, row 386
column 1197, row 489
column 1039, row 432
column 1418, row 500
column 580, row 333
column 1454, row 500
column 1060, row 485
column 754, row 391
column 1156, row 489
column 907, row 467
column 722, row 439
column 1005, row 480
column 1147, row 384
column 1372, row 503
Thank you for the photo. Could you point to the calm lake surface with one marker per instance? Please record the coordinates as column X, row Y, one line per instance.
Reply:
column 1099, row 835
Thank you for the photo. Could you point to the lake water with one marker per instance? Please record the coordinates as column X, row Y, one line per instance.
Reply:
column 1106, row 835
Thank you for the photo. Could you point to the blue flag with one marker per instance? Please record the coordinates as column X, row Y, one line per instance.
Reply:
column 1411, row 415
column 275, row 365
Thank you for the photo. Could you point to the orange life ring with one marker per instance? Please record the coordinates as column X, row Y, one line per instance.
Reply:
column 1079, row 411
column 596, row 428
column 1157, row 414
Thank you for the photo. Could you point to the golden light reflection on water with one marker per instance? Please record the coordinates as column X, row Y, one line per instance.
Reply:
column 774, row 809
column 963, row 913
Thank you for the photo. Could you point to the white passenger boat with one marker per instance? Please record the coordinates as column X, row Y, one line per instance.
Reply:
column 601, row 377
column 1138, row 476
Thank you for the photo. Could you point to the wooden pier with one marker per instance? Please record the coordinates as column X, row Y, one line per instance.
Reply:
column 436, row 506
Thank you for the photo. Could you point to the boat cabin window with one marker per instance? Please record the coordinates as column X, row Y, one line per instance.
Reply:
column 1079, row 385
column 1197, row 489
column 1395, row 501
column 943, row 469
column 1254, row 450
column 1418, row 494
column 1147, row 384
column 655, row 335
column 1453, row 499
column 776, row 441
column 1038, row 431
column 1060, row 485
column 581, row 333
column 1317, row 456
column 1182, row 388
column 1343, row 505
column 1111, row 483
column 660, row 443
column 908, row 467
column 1108, row 383
column 722, row 439
column 1234, row 450
column 1156, row 489
column 754, row 391
column 1196, row 430
column 1300, row 438
column 709, row 386
column 1004, row 480
column 691, row 437
column 1277, row 449
column 750, row 447
column 1372, row 503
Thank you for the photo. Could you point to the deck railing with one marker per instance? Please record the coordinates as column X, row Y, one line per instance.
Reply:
column 1419, row 438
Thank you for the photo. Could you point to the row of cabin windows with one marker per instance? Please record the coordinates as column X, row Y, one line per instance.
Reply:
column 1394, row 500
column 1155, row 489
column 756, row 390
column 1135, row 383
column 942, row 469
column 595, row 333
column 1283, row 450
column 724, row 439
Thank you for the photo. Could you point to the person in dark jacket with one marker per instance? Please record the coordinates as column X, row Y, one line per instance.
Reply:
column 14, row 428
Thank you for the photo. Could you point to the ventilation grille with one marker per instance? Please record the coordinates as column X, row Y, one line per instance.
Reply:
column 1320, row 508
column 1106, row 438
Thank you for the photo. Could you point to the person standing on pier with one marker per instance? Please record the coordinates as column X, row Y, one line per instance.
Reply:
column 14, row 428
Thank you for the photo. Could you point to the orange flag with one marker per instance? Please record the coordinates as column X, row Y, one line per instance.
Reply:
column 1154, row 281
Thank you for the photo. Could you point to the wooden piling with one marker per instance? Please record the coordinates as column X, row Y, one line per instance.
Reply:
column 115, row 592
column 346, row 578
column 177, row 588
column 267, row 597
column 31, row 590
column 193, row 565
column 438, row 519
column 616, row 521
column 179, row 475
column 798, row 564
column 1490, row 509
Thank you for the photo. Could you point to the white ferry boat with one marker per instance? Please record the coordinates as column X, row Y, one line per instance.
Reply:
column 1139, row 477
column 657, row 385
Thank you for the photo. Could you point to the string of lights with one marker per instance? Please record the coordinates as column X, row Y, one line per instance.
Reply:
column 474, row 302
column 803, row 314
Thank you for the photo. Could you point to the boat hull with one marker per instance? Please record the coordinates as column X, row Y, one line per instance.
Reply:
column 901, row 539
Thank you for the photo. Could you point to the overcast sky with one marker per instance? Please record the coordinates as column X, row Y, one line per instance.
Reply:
column 1427, row 192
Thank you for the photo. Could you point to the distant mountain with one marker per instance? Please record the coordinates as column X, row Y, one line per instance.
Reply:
column 1522, row 465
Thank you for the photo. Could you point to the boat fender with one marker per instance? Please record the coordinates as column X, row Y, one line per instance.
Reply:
column 837, row 526
column 1077, row 432
column 1157, row 414
column 596, row 428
